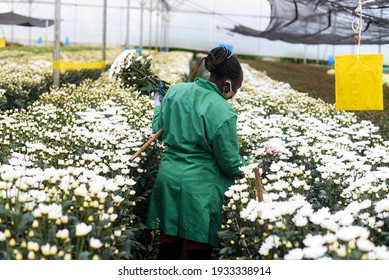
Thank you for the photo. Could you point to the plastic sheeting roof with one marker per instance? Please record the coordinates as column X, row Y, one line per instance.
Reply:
column 16, row 19
column 323, row 22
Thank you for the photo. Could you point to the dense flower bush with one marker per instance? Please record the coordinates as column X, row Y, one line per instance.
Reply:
column 326, row 180
column 20, row 85
column 25, row 75
column 67, row 188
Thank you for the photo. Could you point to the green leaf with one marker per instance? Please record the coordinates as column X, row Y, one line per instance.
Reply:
column 24, row 224
column 4, row 212
column 84, row 256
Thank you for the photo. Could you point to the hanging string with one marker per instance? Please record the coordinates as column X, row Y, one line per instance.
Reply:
column 359, row 22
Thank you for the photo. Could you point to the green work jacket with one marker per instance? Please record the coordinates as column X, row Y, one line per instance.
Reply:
column 200, row 161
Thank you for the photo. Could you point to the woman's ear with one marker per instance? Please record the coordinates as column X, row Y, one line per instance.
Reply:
column 227, row 86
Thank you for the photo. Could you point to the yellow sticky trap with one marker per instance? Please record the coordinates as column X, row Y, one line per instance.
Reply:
column 358, row 82
column 2, row 43
column 61, row 65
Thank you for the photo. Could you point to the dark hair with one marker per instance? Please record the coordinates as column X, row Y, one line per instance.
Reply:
column 221, row 62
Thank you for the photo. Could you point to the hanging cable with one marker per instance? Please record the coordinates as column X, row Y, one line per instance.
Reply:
column 359, row 23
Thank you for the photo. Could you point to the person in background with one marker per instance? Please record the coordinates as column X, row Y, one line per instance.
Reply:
column 200, row 160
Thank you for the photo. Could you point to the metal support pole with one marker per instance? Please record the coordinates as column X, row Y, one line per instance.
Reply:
column 12, row 26
column 163, row 27
column 305, row 45
column 379, row 44
column 29, row 29
column 157, row 28
column 142, row 6
column 259, row 27
column 104, row 54
column 127, row 43
column 57, row 30
column 335, row 30
column 150, row 22
column 318, row 47
column 162, row 42
column 167, row 26
column 75, row 23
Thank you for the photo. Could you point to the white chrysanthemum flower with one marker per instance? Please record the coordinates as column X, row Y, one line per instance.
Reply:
column 346, row 220
column 2, row 236
column 300, row 221
column 382, row 206
column 306, row 210
column 272, row 241
column 365, row 245
column 319, row 216
column 239, row 187
column 7, row 177
column 329, row 238
column 55, row 211
column 314, row 241
column 83, row 229
column 294, row 254
column 314, row 252
column 111, row 186
column 117, row 65
column 95, row 243
column 342, row 251
column 62, row 234
column 229, row 193
column 130, row 182
column 102, row 195
column 379, row 253
column 118, row 199
column 95, row 187
column 53, row 250
column 33, row 246
column 351, row 232
column 113, row 217
column 46, row 249
column 81, row 191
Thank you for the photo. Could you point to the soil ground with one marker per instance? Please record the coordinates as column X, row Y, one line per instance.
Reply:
column 314, row 80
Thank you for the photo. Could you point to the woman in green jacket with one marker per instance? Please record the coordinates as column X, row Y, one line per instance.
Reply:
column 201, row 158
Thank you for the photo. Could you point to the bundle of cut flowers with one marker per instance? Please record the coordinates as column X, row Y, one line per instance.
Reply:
column 131, row 70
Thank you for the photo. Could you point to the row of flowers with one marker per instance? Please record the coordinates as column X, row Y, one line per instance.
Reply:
column 67, row 187
column 25, row 75
column 325, row 180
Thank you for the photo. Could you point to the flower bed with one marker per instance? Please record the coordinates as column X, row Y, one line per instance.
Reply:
column 26, row 75
column 67, row 188
column 326, row 185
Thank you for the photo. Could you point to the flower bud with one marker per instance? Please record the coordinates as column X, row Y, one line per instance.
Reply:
column 35, row 224
column 31, row 255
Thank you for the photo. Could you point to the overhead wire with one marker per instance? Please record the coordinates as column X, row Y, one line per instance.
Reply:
column 209, row 11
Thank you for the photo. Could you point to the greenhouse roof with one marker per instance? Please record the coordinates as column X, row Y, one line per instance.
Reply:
column 324, row 22
column 16, row 19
